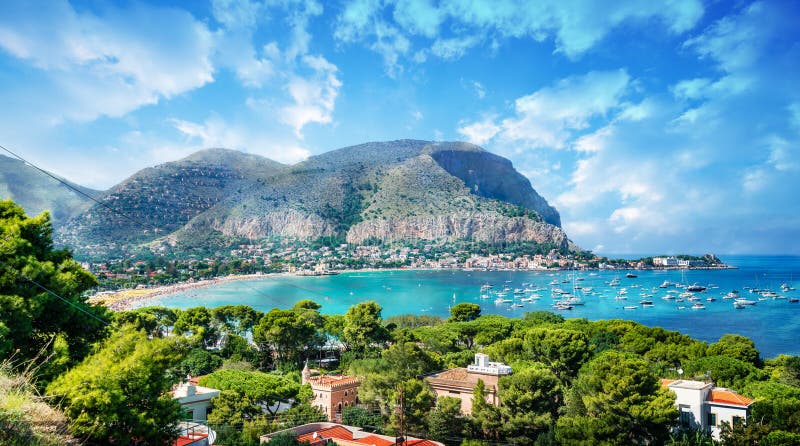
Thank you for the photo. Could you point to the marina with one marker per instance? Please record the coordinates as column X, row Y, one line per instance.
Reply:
column 729, row 304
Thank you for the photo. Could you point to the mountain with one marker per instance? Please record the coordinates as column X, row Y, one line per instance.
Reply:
column 36, row 192
column 159, row 200
column 394, row 190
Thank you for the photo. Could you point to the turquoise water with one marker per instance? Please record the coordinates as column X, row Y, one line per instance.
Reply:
column 774, row 324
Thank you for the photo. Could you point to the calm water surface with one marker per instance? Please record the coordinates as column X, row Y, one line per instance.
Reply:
column 774, row 324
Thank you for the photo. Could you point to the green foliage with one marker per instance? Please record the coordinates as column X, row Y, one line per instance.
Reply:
column 30, row 316
column 262, row 388
column 690, row 437
column 446, row 423
column 542, row 317
column 284, row 439
column 775, row 404
column 414, row 401
column 530, row 401
column 564, row 351
column 737, row 347
column 238, row 319
column 120, row 391
column 617, row 400
column 784, row 369
column 287, row 333
column 199, row 362
column 25, row 420
column 464, row 312
column 358, row 416
column 232, row 408
column 413, row 320
column 725, row 371
column 363, row 329
column 199, row 325
column 302, row 413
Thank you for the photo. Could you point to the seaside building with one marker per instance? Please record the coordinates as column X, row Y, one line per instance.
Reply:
column 321, row 434
column 460, row 382
column 194, row 399
column 703, row 406
column 332, row 393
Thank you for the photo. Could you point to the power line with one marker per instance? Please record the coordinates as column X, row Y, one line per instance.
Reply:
column 67, row 301
column 78, row 191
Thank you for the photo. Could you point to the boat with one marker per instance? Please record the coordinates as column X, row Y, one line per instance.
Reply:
column 499, row 300
column 665, row 284
column 794, row 300
column 732, row 294
column 698, row 306
column 630, row 307
column 695, row 288
column 562, row 307
column 631, row 276
column 517, row 305
column 645, row 302
column 484, row 296
column 738, row 305
column 614, row 282
column 711, row 299
column 486, row 287
column 745, row 302
column 507, row 301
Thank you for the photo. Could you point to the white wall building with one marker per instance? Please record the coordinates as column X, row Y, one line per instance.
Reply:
column 703, row 406
column 194, row 399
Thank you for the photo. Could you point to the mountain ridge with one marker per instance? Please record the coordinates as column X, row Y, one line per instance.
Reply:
column 386, row 190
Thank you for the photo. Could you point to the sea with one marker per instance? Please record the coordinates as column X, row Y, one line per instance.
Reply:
column 773, row 323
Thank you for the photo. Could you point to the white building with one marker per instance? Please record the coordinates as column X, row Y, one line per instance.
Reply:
column 703, row 406
column 194, row 399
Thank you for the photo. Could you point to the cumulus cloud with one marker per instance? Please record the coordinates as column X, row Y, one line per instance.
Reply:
column 107, row 64
column 313, row 97
column 551, row 115
column 574, row 27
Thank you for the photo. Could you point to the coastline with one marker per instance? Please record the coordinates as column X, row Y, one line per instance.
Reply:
column 123, row 300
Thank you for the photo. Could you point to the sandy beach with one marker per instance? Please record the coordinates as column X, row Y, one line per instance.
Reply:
column 124, row 299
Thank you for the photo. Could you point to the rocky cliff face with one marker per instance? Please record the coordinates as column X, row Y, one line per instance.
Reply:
column 486, row 227
column 287, row 223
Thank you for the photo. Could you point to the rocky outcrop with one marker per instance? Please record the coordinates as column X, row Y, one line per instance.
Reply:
column 480, row 227
column 285, row 223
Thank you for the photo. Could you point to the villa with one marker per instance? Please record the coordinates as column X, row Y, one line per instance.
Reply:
column 460, row 382
column 332, row 393
column 703, row 406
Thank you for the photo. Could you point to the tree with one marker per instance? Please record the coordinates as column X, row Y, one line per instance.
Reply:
column 617, row 400
column 363, row 328
column 725, row 371
column 485, row 422
column 358, row 416
column 199, row 324
column 413, row 401
column 263, row 388
column 530, row 400
column 31, row 316
column 286, row 333
column 464, row 312
column 445, row 422
column 119, row 393
column 737, row 347
column 564, row 351
column 199, row 362
column 237, row 319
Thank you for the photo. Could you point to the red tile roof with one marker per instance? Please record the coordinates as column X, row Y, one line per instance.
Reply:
column 728, row 397
column 374, row 440
column 185, row 440
column 331, row 432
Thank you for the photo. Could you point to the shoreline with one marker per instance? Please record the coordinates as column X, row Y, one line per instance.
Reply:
column 123, row 300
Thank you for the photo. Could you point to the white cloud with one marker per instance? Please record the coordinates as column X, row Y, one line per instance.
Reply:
column 313, row 98
column 107, row 64
column 417, row 115
column 551, row 115
column 575, row 26
column 480, row 132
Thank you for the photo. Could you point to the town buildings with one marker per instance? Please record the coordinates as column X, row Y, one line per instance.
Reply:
column 703, row 406
column 332, row 393
column 194, row 399
column 460, row 382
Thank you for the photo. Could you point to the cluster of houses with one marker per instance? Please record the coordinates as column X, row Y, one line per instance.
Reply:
column 701, row 405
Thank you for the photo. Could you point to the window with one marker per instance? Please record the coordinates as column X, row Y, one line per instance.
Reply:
column 686, row 416
column 712, row 419
column 345, row 393
column 737, row 421
column 190, row 414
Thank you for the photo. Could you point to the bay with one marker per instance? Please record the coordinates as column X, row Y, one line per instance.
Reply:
column 773, row 324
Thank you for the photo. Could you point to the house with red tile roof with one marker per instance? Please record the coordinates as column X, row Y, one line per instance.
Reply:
column 703, row 406
column 460, row 382
column 321, row 434
column 332, row 393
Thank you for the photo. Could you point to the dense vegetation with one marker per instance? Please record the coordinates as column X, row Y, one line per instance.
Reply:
column 574, row 381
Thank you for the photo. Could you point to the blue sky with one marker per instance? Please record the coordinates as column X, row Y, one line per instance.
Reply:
column 654, row 127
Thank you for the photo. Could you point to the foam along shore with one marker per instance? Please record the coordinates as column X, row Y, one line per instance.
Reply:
column 124, row 299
